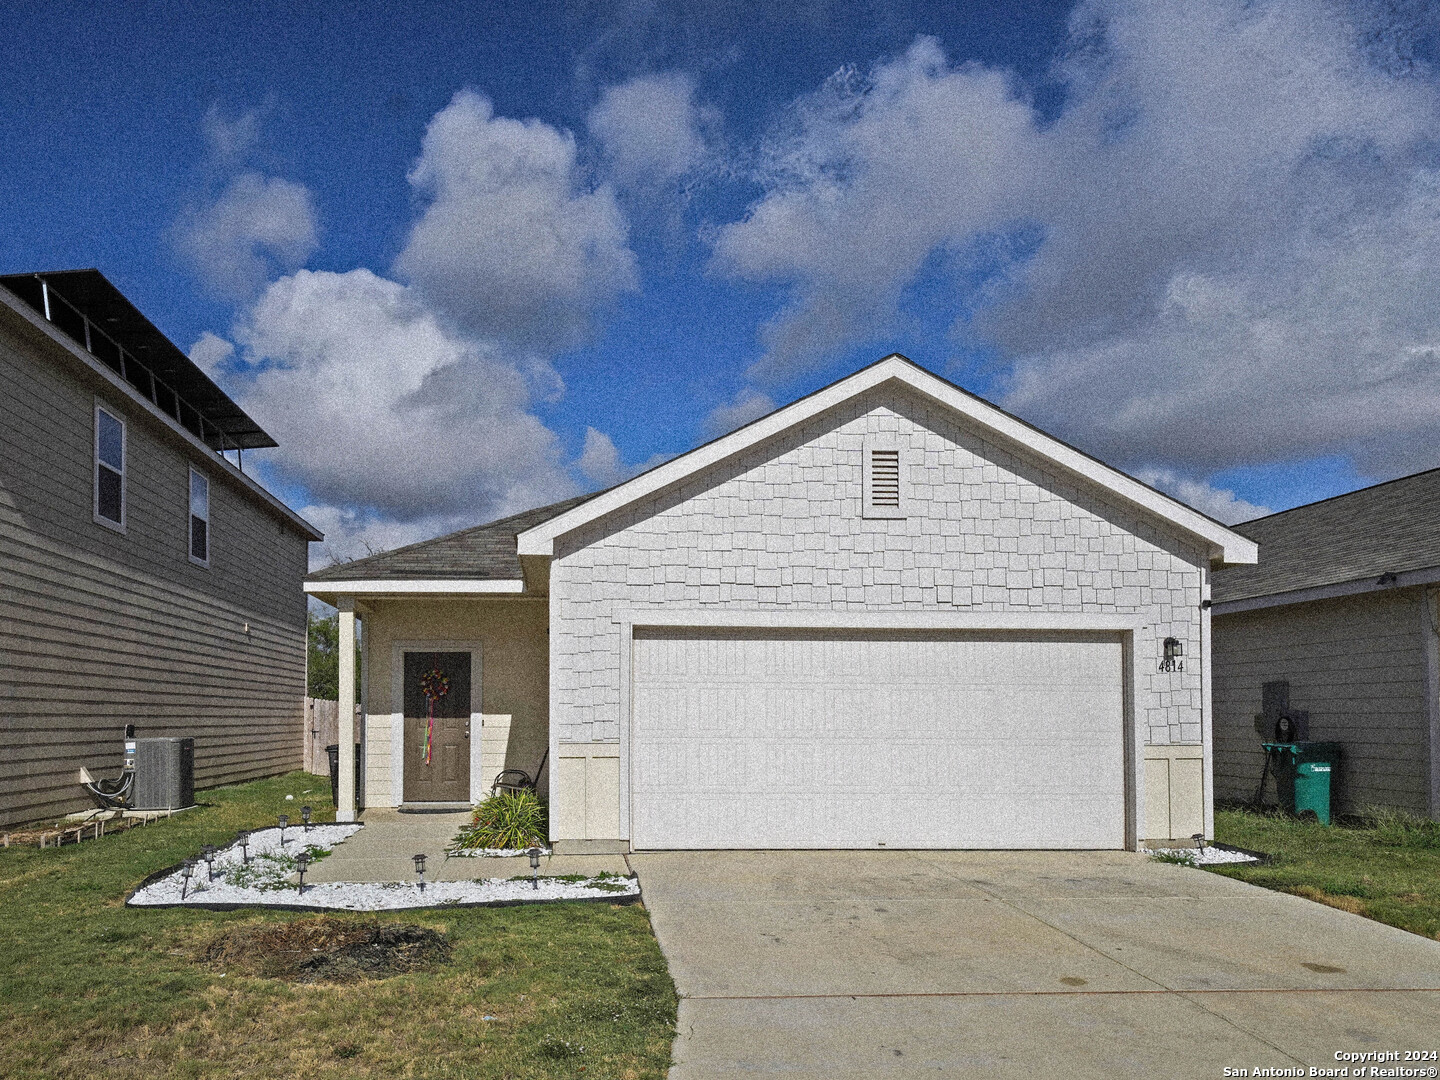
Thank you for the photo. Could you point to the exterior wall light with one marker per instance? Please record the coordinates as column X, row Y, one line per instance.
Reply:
column 1173, row 650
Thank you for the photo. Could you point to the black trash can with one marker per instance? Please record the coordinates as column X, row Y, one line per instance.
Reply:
column 333, row 753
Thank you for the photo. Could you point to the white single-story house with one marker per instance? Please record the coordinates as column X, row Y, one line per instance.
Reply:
column 888, row 614
column 1342, row 622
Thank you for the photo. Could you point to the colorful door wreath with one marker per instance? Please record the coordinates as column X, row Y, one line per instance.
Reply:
column 434, row 684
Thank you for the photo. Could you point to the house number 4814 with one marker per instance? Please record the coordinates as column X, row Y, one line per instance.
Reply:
column 1173, row 650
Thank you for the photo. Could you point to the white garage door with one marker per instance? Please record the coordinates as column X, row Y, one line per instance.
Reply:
column 779, row 739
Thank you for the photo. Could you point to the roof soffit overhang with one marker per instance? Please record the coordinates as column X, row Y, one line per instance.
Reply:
column 1224, row 545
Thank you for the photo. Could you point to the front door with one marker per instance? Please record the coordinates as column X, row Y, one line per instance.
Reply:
column 437, row 727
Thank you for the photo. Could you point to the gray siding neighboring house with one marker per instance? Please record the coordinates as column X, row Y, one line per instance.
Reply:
column 105, row 623
column 1342, row 606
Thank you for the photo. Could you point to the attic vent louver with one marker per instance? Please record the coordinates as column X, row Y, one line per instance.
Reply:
column 885, row 479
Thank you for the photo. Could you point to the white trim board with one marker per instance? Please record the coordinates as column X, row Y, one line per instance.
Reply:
column 1429, row 575
column 1224, row 544
column 416, row 586
column 1033, row 621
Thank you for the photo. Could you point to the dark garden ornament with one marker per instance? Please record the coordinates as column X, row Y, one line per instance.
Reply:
column 434, row 684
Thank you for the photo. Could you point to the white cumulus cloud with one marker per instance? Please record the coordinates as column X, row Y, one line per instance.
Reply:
column 747, row 404
column 382, row 411
column 873, row 178
column 211, row 353
column 1221, row 504
column 1223, row 250
column 256, row 227
column 649, row 129
column 513, row 244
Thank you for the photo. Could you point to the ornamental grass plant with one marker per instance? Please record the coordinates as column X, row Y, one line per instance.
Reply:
column 510, row 820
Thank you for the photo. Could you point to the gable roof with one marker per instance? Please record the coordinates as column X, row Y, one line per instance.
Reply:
column 1223, row 543
column 483, row 553
column 1389, row 528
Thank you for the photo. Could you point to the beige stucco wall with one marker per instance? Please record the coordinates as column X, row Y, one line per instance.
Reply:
column 513, row 679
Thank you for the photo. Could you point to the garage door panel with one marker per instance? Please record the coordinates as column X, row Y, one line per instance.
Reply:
column 743, row 740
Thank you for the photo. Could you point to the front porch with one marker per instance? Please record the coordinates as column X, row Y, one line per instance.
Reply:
column 453, row 690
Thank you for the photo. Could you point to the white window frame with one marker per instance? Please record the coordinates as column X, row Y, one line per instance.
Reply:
column 96, row 465
column 868, row 509
column 190, row 516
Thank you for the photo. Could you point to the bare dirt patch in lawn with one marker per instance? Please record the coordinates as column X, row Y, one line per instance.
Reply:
column 327, row 950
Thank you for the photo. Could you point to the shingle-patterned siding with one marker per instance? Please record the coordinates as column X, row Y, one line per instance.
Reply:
column 1357, row 664
column 780, row 527
column 99, row 629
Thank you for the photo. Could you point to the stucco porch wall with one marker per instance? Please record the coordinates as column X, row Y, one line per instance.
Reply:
column 513, row 678
column 779, row 527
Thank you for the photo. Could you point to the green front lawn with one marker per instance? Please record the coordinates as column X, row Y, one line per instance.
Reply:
column 91, row 988
column 1387, row 870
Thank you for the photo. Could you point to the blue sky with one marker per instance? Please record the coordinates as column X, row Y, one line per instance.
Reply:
column 464, row 259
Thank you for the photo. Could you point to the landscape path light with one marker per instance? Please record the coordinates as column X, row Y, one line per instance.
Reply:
column 534, row 854
column 302, row 863
column 208, row 854
column 419, row 861
column 284, row 821
column 186, row 869
column 305, row 817
column 244, row 841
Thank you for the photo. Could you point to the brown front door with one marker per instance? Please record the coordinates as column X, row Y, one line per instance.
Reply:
column 446, row 777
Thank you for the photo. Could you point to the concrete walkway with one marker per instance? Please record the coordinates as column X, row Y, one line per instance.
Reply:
column 383, row 850
column 1004, row 964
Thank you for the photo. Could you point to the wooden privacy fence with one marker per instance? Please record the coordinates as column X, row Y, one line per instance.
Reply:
column 322, row 729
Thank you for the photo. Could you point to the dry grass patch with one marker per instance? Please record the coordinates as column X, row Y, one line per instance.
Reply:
column 326, row 949
column 1352, row 904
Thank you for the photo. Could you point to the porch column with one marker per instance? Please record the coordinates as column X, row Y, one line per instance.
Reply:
column 346, row 649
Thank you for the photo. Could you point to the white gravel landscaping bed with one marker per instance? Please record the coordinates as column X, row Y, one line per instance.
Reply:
column 1211, row 856
column 265, row 882
column 491, row 852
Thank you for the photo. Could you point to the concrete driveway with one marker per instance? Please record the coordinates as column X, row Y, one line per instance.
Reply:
column 841, row 964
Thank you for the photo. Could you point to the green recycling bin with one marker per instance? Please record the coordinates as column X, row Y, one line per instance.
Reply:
column 1304, row 776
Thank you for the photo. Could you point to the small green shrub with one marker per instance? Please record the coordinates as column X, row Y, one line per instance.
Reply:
column 509, row 820
column 1400, row 828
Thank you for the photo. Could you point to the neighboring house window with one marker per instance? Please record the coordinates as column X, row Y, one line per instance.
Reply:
column 199, row 519
column 109, row 469
column 884, row 479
